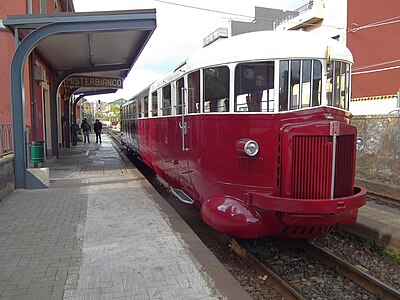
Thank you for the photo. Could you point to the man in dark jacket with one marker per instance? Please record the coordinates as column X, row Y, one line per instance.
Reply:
column 86, row 130
column 97, row 129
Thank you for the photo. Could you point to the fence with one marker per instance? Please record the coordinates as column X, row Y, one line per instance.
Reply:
column 6, row 140
column 294, row 13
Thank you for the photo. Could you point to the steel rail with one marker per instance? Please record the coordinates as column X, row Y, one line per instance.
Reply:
column 368, row 282
column 383, row 198
column 277, row 282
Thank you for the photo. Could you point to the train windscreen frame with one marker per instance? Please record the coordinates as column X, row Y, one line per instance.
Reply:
column 338, row 85
column 299, row 84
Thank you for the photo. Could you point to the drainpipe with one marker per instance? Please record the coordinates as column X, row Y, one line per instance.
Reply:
column 398, row 99
column 33, row 99
column 29, row 6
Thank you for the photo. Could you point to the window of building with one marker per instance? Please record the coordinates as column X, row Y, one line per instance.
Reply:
column 254, row 87
column 154, row 104
column 216, row 89
column 194, row 92
column 43, row 8
column 179, row 96
column 299, row 84
column 166, row 100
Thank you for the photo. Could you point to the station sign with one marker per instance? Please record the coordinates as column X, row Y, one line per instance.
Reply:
column 95, row 82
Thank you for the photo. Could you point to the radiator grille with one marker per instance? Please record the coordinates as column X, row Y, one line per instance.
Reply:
column 344, row 173
column 312, row 166
column 251, row 164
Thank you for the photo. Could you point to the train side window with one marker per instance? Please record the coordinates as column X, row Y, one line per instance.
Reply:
column 216, row 89
column 254, row 87
column 316, row 83
column 179, row 86
column 145, row 107
column 134, row 115
column 166, row 100
column 139, row 108
column 194, row 92
column 154, row 104
column 283, row 85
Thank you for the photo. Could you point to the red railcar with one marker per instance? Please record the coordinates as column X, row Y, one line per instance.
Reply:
column 255, row 131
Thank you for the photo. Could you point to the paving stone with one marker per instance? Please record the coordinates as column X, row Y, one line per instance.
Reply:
column 94, row 234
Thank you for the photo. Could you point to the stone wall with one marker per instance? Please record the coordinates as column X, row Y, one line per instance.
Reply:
column 6, row 175
column 379, row 161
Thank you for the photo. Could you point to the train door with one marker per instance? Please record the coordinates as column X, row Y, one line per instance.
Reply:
column 185, row 193
column 181, row 99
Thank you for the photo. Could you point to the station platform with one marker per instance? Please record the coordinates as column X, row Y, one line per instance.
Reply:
column 379, row 224
column 100, row 231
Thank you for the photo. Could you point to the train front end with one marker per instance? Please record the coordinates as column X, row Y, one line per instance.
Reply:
column 300, row 182
column 311, row 189
column 316, row 170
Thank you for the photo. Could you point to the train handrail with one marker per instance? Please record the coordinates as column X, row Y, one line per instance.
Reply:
column 6, row 140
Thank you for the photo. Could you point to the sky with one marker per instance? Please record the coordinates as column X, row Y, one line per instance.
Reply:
column 180, row 32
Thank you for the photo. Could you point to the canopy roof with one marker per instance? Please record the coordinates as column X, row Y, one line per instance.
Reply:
column 96, row 43
column 113, row 50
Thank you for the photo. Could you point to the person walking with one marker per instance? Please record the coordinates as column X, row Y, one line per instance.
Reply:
column 86, row 130
column 74, row 133
column 97, row 130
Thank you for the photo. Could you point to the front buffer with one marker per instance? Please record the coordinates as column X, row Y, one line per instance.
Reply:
column 233, row 217
column 267, row 215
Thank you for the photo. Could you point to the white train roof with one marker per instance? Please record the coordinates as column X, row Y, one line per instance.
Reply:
column 271, row 44
column 260, row 45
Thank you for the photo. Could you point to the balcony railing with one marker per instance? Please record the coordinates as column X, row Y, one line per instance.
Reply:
column 295, row 13
column 6, row 140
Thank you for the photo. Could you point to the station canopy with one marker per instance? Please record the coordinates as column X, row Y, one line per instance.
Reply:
column 111, row 52
column 103, row 44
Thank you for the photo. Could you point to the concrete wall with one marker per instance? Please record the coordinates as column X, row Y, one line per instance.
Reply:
column 6, row 175
column 379, row 161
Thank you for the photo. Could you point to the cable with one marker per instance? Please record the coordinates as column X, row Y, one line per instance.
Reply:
column 375, row 24
column 377, row 70
column 239, row 15
column 210, row 10
column 376, row 65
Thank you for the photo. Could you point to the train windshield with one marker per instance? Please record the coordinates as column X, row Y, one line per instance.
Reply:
column 254, row 87
column 338, row 85
column 299, row 84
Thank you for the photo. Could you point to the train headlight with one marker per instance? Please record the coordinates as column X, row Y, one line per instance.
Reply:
column 247, row 146
column 251, row 148
column 359, row 144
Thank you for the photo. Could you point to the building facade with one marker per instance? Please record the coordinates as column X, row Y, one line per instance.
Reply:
column 371, row 37
column 374, row 40
column 38, row 76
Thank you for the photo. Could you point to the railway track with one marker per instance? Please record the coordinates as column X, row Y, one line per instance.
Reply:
column 386, row 200
column 290, row 288
column 271, row 281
